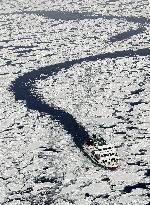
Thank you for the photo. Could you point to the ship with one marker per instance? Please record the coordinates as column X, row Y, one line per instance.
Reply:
column 101, row 153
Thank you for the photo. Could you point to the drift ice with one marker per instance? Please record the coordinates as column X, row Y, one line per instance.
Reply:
column 102, row 153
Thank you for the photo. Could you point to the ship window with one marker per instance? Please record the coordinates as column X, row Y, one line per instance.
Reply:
column 111, row 154
column 104, row 155
column 89, row 142
column 93, row 152
column 97, row 156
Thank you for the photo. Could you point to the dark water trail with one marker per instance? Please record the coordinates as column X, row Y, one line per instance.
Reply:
column 22, row 90
column 76, row 15
column 127, row 34
column 23, row 85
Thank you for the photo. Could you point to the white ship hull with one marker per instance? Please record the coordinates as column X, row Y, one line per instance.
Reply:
column 104, row 155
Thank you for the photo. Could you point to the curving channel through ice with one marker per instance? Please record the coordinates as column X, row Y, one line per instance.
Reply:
column 23, row 85
column 22, row 89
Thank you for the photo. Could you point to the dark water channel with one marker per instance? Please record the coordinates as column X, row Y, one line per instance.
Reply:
column 22, row 86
